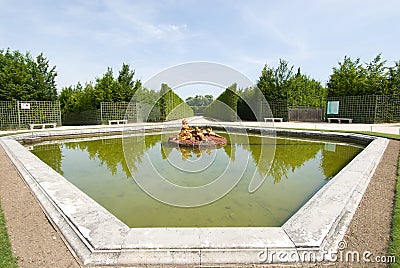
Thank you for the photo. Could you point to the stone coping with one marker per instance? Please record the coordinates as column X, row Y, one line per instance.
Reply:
column 98, row 238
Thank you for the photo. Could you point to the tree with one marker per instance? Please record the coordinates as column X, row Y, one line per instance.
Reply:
column 209, row 99
column 200, row 100
column 376, row 75
column 266, row 83
column 144, row 95
column 25, row 78
column 106, row 89
column 43, row 79
column 394, row 79
column 127, row 86
column 76, row 99
column 348, row 79
column 352, row 78
column 274, row 82
column 305, row 91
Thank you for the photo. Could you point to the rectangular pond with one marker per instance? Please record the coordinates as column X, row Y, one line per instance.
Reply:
column 290, row 176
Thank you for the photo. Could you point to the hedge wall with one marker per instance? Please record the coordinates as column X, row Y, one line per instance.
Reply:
column 89, row 117
column 199, row 110
column 248, row 105
column 225, row 106
column 172, row 106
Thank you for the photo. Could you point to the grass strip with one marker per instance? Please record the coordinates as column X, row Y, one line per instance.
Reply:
column 394, row 245
column 376, row 134
column 6, row 257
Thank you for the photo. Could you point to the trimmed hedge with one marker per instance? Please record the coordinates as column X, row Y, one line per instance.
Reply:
column 225, row 106
column 172, row 106
column 199, row 110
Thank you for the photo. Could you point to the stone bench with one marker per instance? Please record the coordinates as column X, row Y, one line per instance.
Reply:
column 273, row 119
column 42, row 126
column 117, row 122
column 340, row 120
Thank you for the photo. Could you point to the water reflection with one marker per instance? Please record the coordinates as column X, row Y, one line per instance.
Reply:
column 188, row 153
column 299, row 169
column 290, row 154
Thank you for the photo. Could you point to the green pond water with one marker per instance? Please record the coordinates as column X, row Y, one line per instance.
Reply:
column 298, row 169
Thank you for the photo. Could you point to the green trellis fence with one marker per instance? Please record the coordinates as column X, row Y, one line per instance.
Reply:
column 19, row 114
column 367, row 108
column 133, row 112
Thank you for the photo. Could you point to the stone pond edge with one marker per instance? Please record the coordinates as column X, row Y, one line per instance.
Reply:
column 98, row 238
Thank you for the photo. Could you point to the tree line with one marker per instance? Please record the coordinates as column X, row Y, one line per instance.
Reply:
column 297, row 88
column 107, row 88
column 200, row 100
column 352, row 77
column 23, row 77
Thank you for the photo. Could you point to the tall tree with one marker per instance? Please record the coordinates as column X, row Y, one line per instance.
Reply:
column 105, row 88
column 274, row 82
column 394, row 79
column 376, row 75
column 25, row 78
column 266, row 83
column 43, row 79
column 305, row 91
column 126, row 83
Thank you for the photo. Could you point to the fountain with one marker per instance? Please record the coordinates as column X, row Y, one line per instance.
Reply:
column 196, row 137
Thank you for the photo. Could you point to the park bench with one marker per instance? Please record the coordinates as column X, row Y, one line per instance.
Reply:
column 340, row 120
column 117, row 122
column 273, row 119
column 42, row 126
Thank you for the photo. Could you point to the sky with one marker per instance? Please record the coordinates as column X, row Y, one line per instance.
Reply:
column 84, row 37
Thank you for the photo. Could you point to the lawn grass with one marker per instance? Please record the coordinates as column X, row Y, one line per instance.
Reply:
column 377, row 134
column 394, row 245
column 6, row 257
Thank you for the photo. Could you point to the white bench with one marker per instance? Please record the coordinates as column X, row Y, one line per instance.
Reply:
column 273, row 119
column 117, row 122
column 340, row 120
column 42, row 126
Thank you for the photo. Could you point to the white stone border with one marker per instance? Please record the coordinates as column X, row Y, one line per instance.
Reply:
column 99, row 238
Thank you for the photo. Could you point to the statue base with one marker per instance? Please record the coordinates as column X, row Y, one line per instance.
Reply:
column 212, row 141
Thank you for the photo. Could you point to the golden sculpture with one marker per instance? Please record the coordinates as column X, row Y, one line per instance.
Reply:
column 196, row 137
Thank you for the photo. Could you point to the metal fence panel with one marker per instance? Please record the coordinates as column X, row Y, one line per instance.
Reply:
column 19, row 114
column 368, row 108
column 133, row 112
column 279, row 109
column 113, row 111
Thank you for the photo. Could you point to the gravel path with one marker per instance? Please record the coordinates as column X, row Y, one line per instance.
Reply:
column 33, row 239
column 369, row 230
column 37, row 244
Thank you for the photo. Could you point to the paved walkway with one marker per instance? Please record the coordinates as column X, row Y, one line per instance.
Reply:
column 393, row 128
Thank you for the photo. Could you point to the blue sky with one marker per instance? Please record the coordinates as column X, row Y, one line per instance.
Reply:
column 82, row 38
